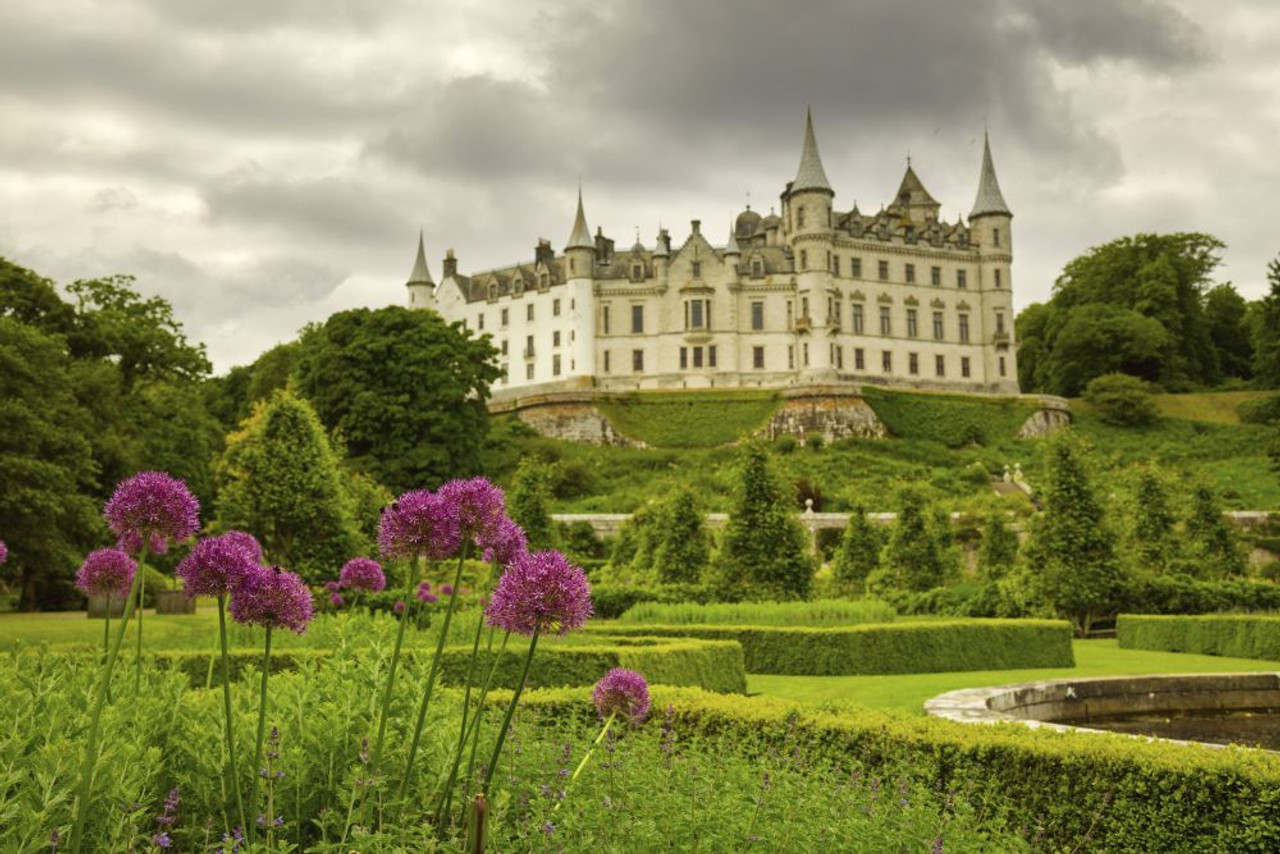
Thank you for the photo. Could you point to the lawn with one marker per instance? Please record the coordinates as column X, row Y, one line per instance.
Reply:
column 908, row 693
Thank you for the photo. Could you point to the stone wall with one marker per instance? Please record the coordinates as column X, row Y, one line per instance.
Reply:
column 1053, row 415
column 834, row 412
column 565, row 415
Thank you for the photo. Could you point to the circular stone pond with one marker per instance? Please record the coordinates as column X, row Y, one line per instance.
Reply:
column 1219, row 708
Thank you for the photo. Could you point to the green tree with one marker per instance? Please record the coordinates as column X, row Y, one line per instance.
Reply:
column 47, row 517
column 999, row 549
column 1098, row 339
column 859, row 553
column 1265, row 320
column 280, row 481
column 1153, row 542
column 1214, row 550
column 1121, row 400
column 406, row 390
column 683, row 548
column 914, row 558
column 764, row 552
column 1227, row 314
column 1069, row 557
column 230, row 398
column 529, row 503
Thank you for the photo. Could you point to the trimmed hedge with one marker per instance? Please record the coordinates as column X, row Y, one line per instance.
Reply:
column 611, row 601
column 1228, row 635
column 1071, row 791
column 885, row 647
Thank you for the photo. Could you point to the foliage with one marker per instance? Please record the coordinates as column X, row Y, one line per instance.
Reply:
column 1121, row 400
column 611, row 601
column 280, row 481
column 819, row 612
column 1266, row 332
column 859, row 554
column 914, row 558
column 954, row 420
column 1232, row 635
column 406, row 391
column 1152, row 542
column 999, row 550
column 529, row 504
column 764, row 551
column 1214, row 551
column 699, row 420
column 1069, row 558
column 231, row 397
column 1227, row 315
column 1183, row 594
column 902, row 647
column 683, row 547
column 1260, row 410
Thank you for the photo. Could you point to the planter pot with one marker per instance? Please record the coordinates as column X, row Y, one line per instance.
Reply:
column 174, row 602
column 98, row 607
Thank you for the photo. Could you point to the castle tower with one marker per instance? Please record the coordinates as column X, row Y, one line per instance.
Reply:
column 421, row 287
column 990, row 224
column 807, row 223
column 579, row 271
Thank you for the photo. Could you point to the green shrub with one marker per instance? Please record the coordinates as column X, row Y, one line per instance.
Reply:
column 822, row 612
column 884, row 648
column 1182, row 594
column 914, row 559
column 785, row 444
column 956, row 421
column 610, row 601
column 1229, row 635
column 1121, row 400
column 1260, row 410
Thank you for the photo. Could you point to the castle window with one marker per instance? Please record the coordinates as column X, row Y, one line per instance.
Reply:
column 555, row 338
column 886, row 327
column 828, row 260
column 834, row 307
column 637, row 319
column 480, row 321
column 757, row 358
column 964, row 366
column 804, row 259
column 528, row 371
column 835, row 264
column 855, row 268
column 684, row 358
column 857, row 318
column 503, row 368
column 528, row 312
column 839, row 358
column 937, row 326
column 757, row 267
column 804, row 308
column 637, row 272
column 697, row 357
column 555, row 307
column 791, row 357
column 697, row 269
column 884, row 271
column 935, row 276
column 528, row 347
column 757, row 316
column 711, row 356
column 999, row 322
column 911, row 274
column 805, row 350
column 940, row 365
column 912, row 326
column 544, row 281
column 604, row 319
column 1002, row 366
column 995, row 237
column 606, row 361
column 790, row 313
column 962, row 279
column 555, row 365
column 859, row 359
column 997, row 278
column 886, row 361
column 637, row 361
column 506, row 316
column 800, row 216
column 572, row 266
column 504, row 346
column 493, row 291
column 913, row 364
column 964, row 329
column 911, row 234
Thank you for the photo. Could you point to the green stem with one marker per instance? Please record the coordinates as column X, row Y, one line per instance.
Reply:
column 376, row 759
column 506, row 720
column 478, row 719
column 447, row 798
column 583, row 764
column 251, row 830
column 95, row 718
column 137, row 658
column 106, row 630
column 431, row 676
column 226, row 707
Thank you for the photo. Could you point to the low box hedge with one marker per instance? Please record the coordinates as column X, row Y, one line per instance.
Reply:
column 1066, row 791
column 1229, row 635
column 881, row 648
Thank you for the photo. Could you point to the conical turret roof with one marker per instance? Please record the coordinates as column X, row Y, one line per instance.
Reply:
column 810, row 175
column 990, row 200
column 580, row 238
column 731, row 248
column 420, row 275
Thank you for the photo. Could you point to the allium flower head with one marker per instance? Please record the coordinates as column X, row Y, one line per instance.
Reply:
column 272, row 597
column 398, row 607
column 481, row 506
column 622, row 691
column 335, row 599
column 106, row 572
column 504, row 544
column 332, row 586
column 131, row 542
column 362, row 574
column 446, row 589
column 540, row 592
column 152, row 502
column 218, row 565
column 420, row 523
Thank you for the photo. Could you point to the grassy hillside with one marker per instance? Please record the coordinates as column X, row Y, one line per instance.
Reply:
column 690, row 419
column 1218, row 407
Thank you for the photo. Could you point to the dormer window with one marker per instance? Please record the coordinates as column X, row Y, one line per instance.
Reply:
column 697, row 269
column 544, row 280
column 637, row 272
column 757, row 267
column 493, row 291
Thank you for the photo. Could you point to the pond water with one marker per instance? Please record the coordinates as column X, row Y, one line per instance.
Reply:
column 1250, row 727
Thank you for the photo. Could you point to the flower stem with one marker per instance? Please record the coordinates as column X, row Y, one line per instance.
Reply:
column 447, row 797
column 416, row 567
column 583, row 764
column 251, row 830
column 435, row 670
column 478, row 718
column 506, row 720
column 106, row 630
column 137, row 658
column 226, row 706
column 95, row 718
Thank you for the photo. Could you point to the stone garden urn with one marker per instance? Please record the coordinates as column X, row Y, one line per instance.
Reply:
column 174, row 602
column 98, row 607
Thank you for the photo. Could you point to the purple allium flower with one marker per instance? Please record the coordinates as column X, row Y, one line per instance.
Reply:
column 446, row 589
column 332, row 587
column 4, row 552
column 218, row 565
column 622, row 691
column 131, row 542
column 481, row 506
column 420, row 523
column 272, row 597
column 424, row 589
column 429, row 598
column 335, row 599
column 540, row 592
column 504, row 544
column 398, row 607
column 106, row 572
column 362, row 574
column 154, row 503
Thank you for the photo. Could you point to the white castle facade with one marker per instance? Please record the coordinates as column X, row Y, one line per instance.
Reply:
column 811, row 296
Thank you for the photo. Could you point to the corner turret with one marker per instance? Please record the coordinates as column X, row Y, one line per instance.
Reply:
column 420, row 285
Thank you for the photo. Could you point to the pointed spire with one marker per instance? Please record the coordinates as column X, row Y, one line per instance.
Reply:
column 810, row 175
column 990, row 200
column 911, row 191
column 420, row 275
column 731, row 248
column 580, row 238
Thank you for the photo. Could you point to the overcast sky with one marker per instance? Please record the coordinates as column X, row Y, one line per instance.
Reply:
column 264, row 164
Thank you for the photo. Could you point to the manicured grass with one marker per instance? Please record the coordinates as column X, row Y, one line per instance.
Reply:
column 702, row 419
column 73, row 627
column 908, row 693
column 1218, row 407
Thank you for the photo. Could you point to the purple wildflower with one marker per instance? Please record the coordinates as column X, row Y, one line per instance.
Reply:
column 398, row 607
column 155, row 504
column 624, row 692
column 170, row 814
column 481, row 506
column 273, row 598
column 161, row 840
column 106, row 572
column 131, row 542
column 335, row 599
column 362, row 574
column 420, row 523
column 429, row 598
column 218, row 565
column 424, row 590
column 55, row 839
column 936, row 847
column 332, row 586
column 446, row 589
column 540, row 592
column 504, row 544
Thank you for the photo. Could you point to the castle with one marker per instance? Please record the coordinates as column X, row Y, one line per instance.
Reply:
column 813, row 296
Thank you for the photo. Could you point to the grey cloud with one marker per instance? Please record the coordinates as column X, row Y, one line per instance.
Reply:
column 318, row 15
column 1146, row 32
